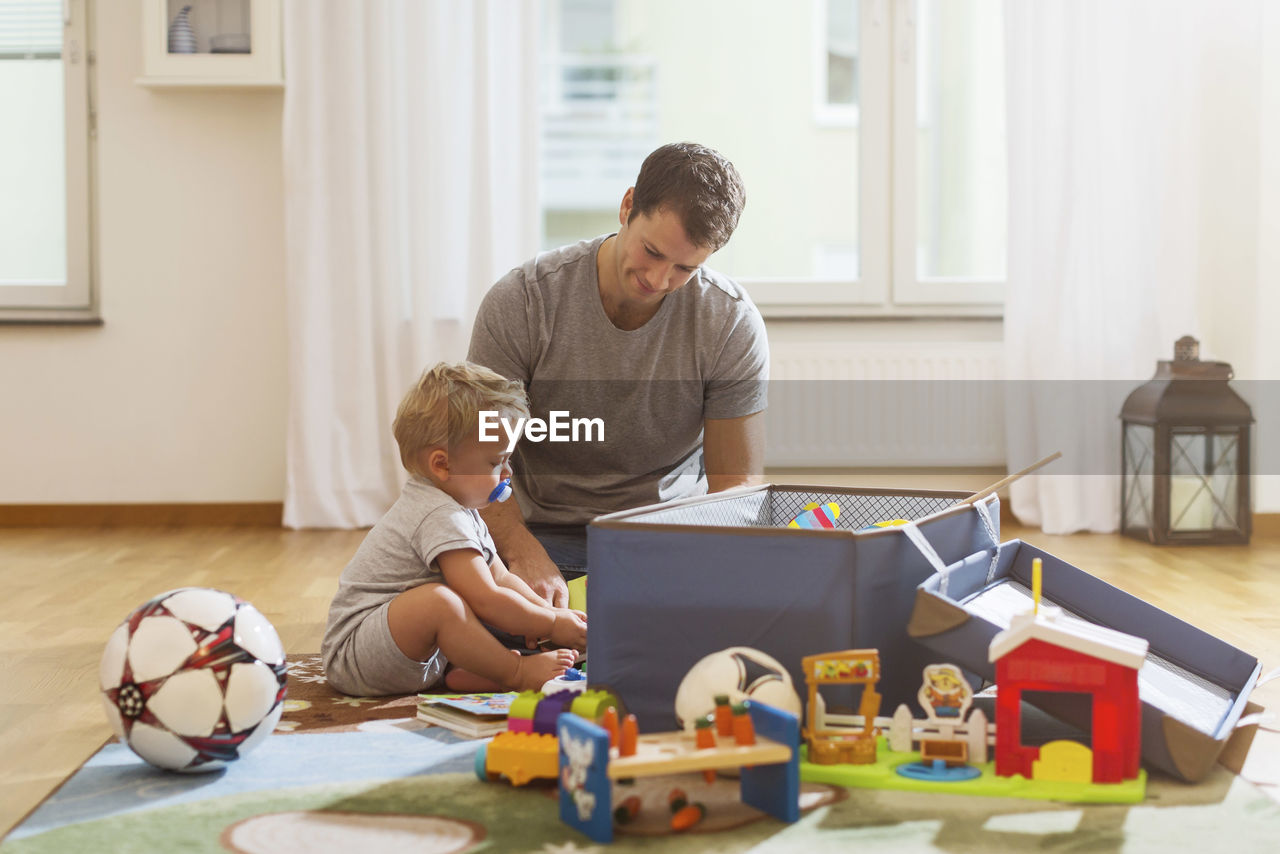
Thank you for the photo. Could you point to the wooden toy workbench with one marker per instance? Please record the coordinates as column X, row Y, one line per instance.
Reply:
column 675, row 753
column 770, row 776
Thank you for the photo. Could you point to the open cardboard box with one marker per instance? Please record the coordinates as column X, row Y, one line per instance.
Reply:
column 671, row 583
column 1194, row 687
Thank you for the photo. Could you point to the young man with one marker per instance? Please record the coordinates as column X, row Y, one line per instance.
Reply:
column 632, row 329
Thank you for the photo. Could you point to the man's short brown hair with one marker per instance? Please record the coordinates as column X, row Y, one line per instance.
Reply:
column 698, row 184
column 444, row 406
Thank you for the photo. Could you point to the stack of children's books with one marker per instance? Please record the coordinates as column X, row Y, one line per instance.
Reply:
column 470, row 715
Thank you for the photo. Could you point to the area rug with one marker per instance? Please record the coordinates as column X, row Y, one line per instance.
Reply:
column 346, row 773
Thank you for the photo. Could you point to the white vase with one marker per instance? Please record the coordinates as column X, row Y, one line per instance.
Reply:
column 182, row 39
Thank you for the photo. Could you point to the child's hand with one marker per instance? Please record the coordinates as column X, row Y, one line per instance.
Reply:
column 569, row 628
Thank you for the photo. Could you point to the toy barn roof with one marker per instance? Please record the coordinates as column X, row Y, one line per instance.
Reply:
column 1053, row 626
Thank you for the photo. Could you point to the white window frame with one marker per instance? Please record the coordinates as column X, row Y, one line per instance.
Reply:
column 825, row 113
column 909, row 289
column 888, row 284
column 869, row 294
column 76, row 299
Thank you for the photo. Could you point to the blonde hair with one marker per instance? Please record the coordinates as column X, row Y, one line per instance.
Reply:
column 444, row 406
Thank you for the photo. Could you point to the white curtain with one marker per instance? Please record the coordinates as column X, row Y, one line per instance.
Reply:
column 410, row 187
column 1106, row 169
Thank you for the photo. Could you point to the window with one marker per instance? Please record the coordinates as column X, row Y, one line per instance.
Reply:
column 949, row 154
column 870, row 134
column 45, row 162
column 836, row 54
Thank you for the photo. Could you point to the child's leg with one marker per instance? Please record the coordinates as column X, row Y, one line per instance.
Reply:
column 465, row 682
column 434, row 616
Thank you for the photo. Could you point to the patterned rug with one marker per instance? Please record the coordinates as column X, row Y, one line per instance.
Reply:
column 347, row 773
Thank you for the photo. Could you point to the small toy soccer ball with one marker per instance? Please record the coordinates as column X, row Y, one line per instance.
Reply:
column 741, row 673
column 193, row 679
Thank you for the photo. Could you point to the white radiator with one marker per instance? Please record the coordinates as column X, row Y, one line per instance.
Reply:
column 881, row 404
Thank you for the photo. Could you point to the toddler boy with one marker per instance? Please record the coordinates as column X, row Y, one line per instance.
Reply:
column 413, row 604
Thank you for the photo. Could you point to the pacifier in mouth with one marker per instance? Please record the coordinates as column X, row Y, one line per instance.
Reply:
column 501, row 492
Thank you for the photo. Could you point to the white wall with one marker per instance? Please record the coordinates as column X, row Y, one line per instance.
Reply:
column 180, row 395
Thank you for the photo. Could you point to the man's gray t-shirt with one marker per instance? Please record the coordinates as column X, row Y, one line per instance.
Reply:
column 704, row 354
column 400, row 553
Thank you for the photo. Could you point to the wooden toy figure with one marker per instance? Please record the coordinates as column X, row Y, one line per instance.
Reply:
column 627, row 811
column 723, row 715
column 944, row 694
column 851, row 667
column 705, row 736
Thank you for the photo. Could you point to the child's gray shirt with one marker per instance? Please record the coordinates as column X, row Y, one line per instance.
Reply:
column 400, row 553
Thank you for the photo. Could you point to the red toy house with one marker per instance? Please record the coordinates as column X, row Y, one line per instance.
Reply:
column 1050, row 651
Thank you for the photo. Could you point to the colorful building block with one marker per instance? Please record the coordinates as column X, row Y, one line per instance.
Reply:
column 524, row 705
column 590, row 704
column 817, row 516
column 521, row 757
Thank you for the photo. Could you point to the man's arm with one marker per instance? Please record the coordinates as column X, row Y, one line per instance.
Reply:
column 501, row 341
column 505, row 578
column 733, row 451
column 523, row 554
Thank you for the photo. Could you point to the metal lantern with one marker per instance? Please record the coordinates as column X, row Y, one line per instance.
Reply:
column 1185, row 454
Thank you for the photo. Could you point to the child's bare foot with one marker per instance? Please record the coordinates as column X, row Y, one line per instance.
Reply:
column 535, row 670
column 465, row 682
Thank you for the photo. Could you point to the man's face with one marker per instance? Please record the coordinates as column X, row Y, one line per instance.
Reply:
column 654, row 255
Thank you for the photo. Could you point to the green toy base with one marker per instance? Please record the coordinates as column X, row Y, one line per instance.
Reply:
column 882, row 775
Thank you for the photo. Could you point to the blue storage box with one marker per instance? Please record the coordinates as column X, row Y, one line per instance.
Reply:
column 1194, row 687
column 671, row 583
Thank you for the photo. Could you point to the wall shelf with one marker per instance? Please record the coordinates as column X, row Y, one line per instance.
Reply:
column 201, row 59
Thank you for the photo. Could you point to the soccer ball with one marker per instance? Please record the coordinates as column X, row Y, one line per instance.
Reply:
column 740, row 672
column 193, row 679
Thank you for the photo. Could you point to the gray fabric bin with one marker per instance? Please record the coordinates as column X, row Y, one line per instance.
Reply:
column 1194, row 687
column 671, row 583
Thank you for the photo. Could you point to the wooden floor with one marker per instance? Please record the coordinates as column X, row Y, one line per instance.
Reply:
column 67, row 589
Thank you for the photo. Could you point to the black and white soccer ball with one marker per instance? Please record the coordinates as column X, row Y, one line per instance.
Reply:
column 193, row 679
column 740, row 673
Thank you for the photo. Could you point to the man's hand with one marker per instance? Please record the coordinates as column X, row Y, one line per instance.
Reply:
column 569, row 628
column 541, row 574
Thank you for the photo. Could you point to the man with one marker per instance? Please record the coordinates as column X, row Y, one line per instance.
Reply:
column 631, row 329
